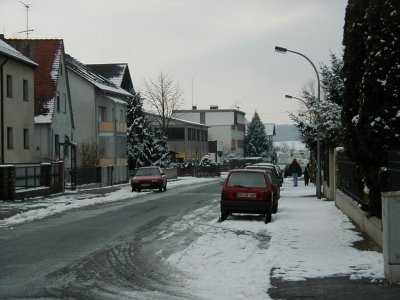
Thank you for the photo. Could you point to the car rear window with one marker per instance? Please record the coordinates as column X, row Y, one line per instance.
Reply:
column 146, row 172
column 246, row 179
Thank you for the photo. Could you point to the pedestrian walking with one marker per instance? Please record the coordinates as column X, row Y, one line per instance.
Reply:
column 306, row 174
column 295, row 170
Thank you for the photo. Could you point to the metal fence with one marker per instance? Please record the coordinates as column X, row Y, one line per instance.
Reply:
column 27, row 176
column 393, row 169
column 347, row 175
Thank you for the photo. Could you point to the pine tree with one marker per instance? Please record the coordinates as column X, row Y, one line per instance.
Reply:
column 256, row 141
column 160, row 151
column 371, row 112
column 139, row 139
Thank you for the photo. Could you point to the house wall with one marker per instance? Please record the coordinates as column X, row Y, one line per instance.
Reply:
column 84, row 109
column 18, row 114
column 112, row 135
column 62, row 120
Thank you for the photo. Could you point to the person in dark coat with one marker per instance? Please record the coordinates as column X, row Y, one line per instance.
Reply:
column 296, row 171
column 306, row 174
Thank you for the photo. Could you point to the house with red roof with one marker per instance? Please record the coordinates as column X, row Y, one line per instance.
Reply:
column 53, row 117
column 16, row 105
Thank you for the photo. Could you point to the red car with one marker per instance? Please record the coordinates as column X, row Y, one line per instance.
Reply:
column 149, row 178
column 247, row 191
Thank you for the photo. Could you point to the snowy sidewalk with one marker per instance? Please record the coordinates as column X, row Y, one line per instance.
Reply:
column 308, row 240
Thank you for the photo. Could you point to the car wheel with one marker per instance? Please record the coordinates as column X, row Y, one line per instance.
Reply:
column 138, row 190
column 160, row 189
column 275, row 207
column 268, row 217
column 223, row 216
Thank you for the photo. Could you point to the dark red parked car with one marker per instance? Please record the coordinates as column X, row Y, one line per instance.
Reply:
column 149, row 178
column 247, row 191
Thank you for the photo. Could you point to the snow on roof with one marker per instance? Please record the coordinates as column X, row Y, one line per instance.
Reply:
column 269, row 128
column 9, row 51
column 94, row 78
column 48, row 54
column 180, row 121
column 47, row 116
column 112, row 72
column 117, row 100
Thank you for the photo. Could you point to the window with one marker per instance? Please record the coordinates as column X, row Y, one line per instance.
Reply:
column 102, row 113
column 176, row 133
column 64, row 100
column 58, row 102
column 189, row 134
column 9, row 86
column 25, row 90
column 10, row 139
column 56, row 145
column 121, row 115
column 203, row 117
column 198, row 134
column 26, row 138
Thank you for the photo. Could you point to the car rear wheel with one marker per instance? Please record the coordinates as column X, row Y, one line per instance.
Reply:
column 268, row 217
column 160, row 189
column 223, row 216
column 275, row 207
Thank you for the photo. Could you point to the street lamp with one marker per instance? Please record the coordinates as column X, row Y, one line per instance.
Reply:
column 301, row 100
column 318, row 177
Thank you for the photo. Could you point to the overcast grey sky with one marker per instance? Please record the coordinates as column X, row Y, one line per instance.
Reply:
column 225, row 47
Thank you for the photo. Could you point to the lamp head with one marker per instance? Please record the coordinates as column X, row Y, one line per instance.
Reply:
column 280, row 49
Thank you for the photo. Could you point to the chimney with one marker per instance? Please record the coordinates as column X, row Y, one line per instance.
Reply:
column 2, row 37
column 214, row 107
column 194, row 107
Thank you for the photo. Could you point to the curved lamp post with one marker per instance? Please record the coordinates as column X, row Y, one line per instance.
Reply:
column 302, row 101
column 318, row 177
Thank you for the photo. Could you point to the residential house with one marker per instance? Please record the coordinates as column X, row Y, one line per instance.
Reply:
column 270, row 130
column 16, row 105
column 99, row 108
column 226, row 125
column 54, row 123
column 118, row 74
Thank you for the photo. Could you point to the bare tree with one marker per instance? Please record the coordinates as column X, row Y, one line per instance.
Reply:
column 90, row 154
column 163, row 96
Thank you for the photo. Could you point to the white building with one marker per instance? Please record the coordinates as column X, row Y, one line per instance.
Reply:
column 226, row 125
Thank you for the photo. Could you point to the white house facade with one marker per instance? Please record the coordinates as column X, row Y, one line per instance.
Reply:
column 99, row 108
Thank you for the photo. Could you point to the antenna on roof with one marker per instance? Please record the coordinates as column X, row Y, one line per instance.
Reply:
column 27, row 31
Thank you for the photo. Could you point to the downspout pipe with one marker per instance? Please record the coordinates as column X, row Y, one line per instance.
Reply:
column 2, row 108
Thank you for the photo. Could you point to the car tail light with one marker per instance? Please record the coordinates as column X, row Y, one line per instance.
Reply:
column 226, row 195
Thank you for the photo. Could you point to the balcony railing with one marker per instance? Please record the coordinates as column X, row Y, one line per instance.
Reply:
column 110, row 126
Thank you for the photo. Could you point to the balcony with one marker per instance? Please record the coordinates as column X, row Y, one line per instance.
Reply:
column 119, row 127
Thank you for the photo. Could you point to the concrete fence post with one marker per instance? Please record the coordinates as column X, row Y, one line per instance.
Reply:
column 391, row 236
